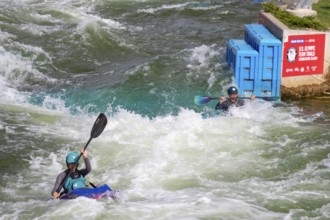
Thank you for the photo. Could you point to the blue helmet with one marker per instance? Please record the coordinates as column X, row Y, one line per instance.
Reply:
column 232, row 90
column 72, row 157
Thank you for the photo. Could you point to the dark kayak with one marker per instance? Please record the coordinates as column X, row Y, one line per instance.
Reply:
column 92, row 193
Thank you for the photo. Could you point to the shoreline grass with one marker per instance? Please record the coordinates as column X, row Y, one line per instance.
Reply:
column 321, row 22
column 323, row 11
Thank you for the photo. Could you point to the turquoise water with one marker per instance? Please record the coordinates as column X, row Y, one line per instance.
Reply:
column 142, row 63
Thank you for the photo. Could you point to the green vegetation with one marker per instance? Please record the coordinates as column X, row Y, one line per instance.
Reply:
column 294, row 22
column 323, row 11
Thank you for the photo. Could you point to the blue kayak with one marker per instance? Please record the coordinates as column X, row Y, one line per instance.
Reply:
column 92, row 193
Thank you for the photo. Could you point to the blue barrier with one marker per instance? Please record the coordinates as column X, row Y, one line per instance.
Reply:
column 244, row 60
column 266, row 77
column 270, row 57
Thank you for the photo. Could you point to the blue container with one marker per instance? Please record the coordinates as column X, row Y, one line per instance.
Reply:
column 252, row 31
column 270, row 56
column 244, row 60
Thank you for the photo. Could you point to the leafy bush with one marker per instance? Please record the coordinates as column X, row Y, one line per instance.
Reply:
column 292, row 21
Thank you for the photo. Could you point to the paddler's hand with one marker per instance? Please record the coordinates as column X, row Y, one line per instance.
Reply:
column 252, row 97
column 84, row 153
column 222, row 99
column 56, row 195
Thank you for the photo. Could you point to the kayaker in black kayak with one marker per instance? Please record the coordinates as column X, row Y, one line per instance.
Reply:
column 232, row 100
column 76, row 179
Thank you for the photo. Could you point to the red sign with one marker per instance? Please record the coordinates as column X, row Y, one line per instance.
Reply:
column 303, row 55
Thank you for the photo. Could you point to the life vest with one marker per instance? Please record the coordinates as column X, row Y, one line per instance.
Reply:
column 74, row 181
column 227, row 104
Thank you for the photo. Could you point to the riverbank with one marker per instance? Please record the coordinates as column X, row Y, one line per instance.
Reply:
column 283, row 25
column 307, row 91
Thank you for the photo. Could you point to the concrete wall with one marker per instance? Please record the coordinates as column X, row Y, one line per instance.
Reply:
column 318, row 81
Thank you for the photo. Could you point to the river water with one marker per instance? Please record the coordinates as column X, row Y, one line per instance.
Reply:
column 141, row 62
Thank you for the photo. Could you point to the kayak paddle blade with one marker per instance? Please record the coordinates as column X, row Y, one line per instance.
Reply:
column 201, row 100
column 99, row 125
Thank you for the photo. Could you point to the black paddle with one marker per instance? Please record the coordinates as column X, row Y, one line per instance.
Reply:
column 97, row 129
column 201, row 100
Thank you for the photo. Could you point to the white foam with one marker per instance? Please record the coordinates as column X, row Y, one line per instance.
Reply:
column 174, row 166
column 206, row 7
column 56, row 104
column 201, row 60
column 17, row 69
column 181, row 164
column 202, row 55
column 163, row 7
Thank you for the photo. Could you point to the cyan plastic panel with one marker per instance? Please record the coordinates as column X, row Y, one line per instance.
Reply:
column 270, row 56
column 244, row 60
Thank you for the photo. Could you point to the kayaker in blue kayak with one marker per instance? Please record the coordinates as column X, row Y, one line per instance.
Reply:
column 76, row 179
column 232, row 100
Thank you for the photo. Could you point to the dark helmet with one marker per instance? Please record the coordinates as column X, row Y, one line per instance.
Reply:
column 232, row 90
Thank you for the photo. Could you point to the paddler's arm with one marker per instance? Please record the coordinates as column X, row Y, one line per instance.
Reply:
column 59, row 180
column 220, row 105
column 88, row 167
column 222, row 99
